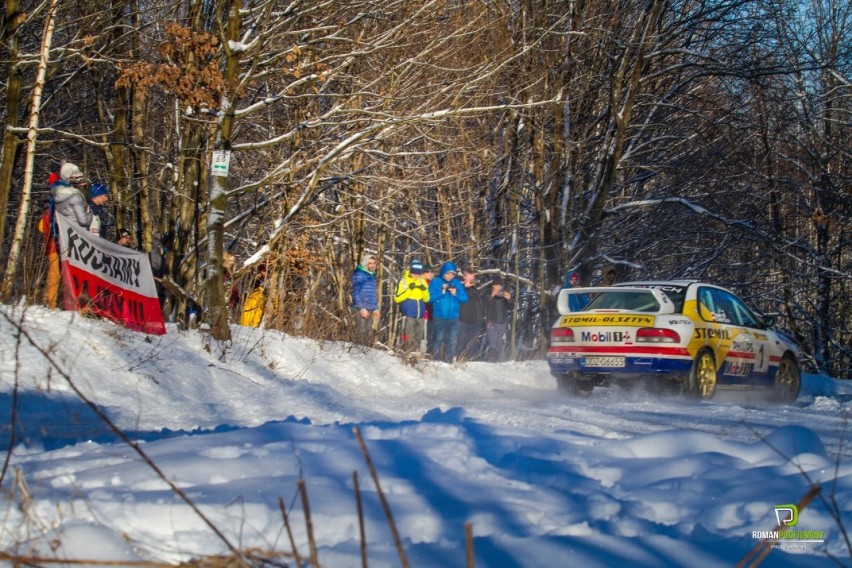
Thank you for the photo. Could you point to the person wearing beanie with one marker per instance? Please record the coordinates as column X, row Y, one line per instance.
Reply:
column 68, row 199
column 72, row 174
column 412, row 295
column 446, row 293
column 125, row 239
column 576, row 302
column 365, row 298
column 103, row 222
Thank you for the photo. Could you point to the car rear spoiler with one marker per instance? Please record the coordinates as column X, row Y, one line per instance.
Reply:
column 562, row 305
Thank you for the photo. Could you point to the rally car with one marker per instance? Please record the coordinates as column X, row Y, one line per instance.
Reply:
column 695, row 336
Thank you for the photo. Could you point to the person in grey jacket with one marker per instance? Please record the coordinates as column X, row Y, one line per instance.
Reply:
column 67, row 195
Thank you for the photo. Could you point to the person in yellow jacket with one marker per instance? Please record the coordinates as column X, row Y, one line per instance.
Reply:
column 412, row 295
column 255, row 302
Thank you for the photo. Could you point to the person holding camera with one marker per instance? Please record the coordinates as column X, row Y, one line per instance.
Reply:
column 497, row 308
column 446, row 293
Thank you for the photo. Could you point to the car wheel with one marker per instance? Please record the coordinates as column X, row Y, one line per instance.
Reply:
column 702, row 378
column 788, row 381
column 569, row 384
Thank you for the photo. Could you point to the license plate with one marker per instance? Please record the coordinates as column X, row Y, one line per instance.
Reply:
column 604, row 361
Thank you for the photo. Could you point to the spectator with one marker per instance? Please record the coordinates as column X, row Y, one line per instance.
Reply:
column 256, row 301
column 365, row 298
column 496, row 310
column 471, row 320
column 576, row 302
column 103, row 221
column 68, row 198
column 125, row 239
column 610, row 276
column 412, row 295
column 428, row 276
column 232, row 292
column 158, row 269
column 47, row 227
column 446, row 293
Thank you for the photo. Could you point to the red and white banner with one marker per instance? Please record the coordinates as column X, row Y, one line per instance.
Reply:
column 114, row 281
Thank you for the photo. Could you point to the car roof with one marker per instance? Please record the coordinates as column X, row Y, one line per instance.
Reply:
column 663, row 283
column 657, row 283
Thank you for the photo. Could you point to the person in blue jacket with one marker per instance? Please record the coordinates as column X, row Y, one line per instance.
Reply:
column 576, row 302
column 446, row 294
column 365, row 298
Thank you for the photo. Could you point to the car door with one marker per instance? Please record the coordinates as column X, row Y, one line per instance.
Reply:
column 758, row 337
column 747, row 361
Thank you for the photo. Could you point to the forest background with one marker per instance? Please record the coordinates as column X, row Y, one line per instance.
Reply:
column 522, row 138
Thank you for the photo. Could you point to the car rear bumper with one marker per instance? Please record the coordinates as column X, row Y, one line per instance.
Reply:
column 563, row 362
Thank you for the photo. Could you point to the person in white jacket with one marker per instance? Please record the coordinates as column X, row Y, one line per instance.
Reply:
column 68, row 198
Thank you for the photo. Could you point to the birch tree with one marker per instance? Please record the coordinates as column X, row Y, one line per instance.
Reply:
column 32, row 133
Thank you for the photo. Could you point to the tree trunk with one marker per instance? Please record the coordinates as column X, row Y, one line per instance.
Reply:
column 13, row 107
column 217, row 306
column 32, row 134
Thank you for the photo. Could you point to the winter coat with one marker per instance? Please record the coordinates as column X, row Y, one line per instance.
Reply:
column 107, row 219
column 471, row 311
column 444, row 304
column 44, row 227
column 576, row 302
column 69, row 201
column 497, row 309
column 364, row 289
column 253, row 308
column 412, row 294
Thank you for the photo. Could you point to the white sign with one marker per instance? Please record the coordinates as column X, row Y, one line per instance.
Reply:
column 221, row 163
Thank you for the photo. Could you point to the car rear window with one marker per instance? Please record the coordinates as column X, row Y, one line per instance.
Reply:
column 631, row 300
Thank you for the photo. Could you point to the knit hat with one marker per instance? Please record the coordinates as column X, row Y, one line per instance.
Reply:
column 99, row 189
column 365, row 258
column 123, row 233
column 416, row 267
column 71, row 173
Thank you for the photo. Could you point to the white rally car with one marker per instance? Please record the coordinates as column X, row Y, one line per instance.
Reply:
column 700, row 336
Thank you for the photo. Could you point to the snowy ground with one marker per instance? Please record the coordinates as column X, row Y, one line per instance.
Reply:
column 617, row 479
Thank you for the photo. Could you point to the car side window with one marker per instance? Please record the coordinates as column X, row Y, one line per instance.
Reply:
column 706, row 305
column 726, row 308
column 743, row 316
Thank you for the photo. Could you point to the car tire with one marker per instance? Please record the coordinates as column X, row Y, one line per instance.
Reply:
column 570, row 384
column 788, row 381
column 701, row 382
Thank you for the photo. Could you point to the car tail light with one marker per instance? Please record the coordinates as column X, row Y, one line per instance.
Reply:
column 561, row 335
column 657, row 335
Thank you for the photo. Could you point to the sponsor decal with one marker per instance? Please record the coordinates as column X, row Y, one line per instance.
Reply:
column 561, row 355
column 712, row 333
column 679, row 322
column 737, row 369
column 605, row 337
column 760, row 337
column 601, row 320
column 744, row 346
